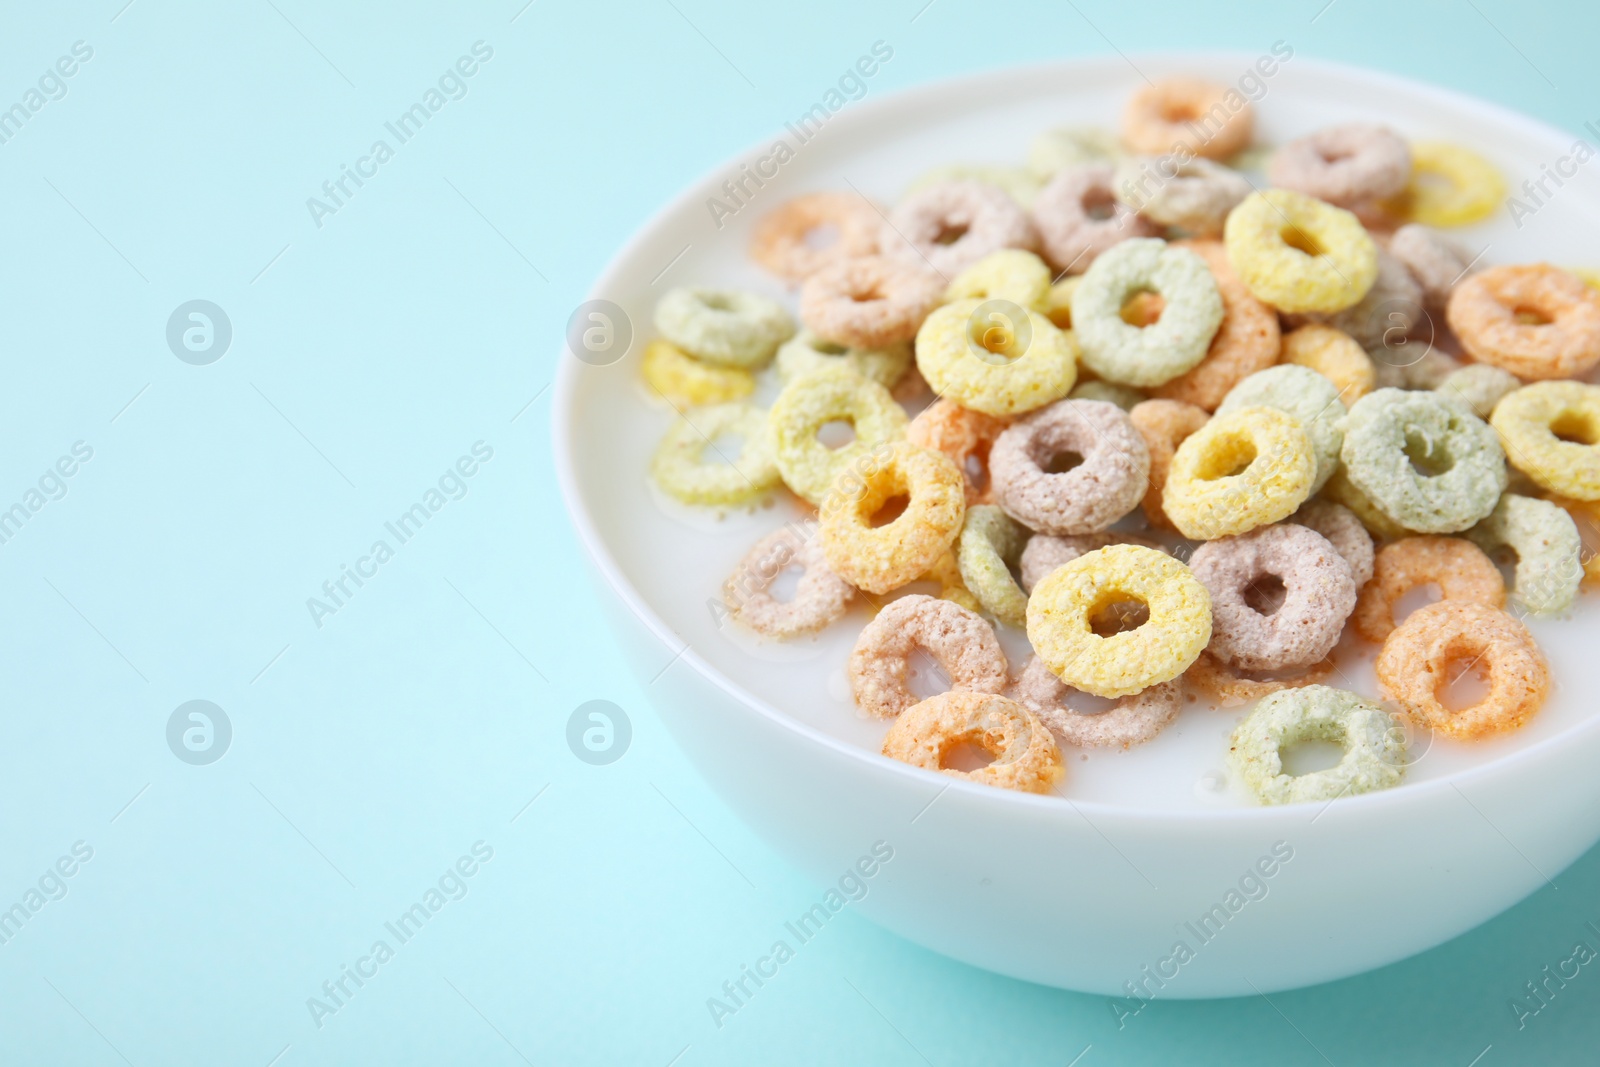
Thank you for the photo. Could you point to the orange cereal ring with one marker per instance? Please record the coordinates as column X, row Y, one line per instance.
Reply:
column 1211, row 120
column 1416, row 659
column 960, row 641
column 1586, row 516
column 878, row 559
column 963, row 435
column 1488, row 310
column 1231, row 687
column 1025, row 754
column 1459, row 568
column 871, row 302
column 1336, row 356
column 782, row 240
column 1247, row 341
column 1163, row 424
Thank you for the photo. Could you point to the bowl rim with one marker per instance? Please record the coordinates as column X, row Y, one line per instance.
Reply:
column 562, row 429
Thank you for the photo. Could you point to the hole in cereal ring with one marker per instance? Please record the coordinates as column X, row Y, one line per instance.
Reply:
column 924, row 677
column 1333, row 155
column 1118, row 613
column 1081, row 703
column 1417, row 597
column 866, row 296
column 1062, row 462
column 965, row 755
column 977, row 471
column 727, row 446
column 1300, row 240
column 1529, row 316
column 1099, row 204
column 1576, row 427
column 1309, row 756
column 821, row 237
column 1427, row 458
column 1179, row 111
column 828, row 348
column 786, row 584
column 949, row 233
column 1266, row 594
column 891, row 510
column 1231, row 456
column 836, row 434
column 716, row 302
column 1143, row 308
column 1464, row 682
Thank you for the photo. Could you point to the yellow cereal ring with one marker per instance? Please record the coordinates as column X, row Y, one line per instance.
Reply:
column 1063, row 606
column 877, row 559
column 996, row 357
column 1009, row 274
column 681, row 469
column 1335, row 355
column 1551, row 431
column 1449, row 186
column 1057, row 305
column 1246, row 468
column 685, row 382
column 810, row 402
column 1299, row 254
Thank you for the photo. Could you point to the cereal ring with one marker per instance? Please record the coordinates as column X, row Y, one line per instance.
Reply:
column 1346, row 166
column 961, row 642
column 1133, row 720
column 1079, row 217
column 821, row 597
column 782, row 240
column 1247, row 340
column 722, row 326
column 979, row 354
column 1196, row 197
column 680, row 468
column 989, row 545
column 1230, row 687
column 1025, row 754
column 1019, row 183
column 1163, row 424
column 1374, row 746
column 1330, row 352
column 1486, row 311
column 963, row 435
column 1308, row 397
column 1063, row 607
column 684, row 381
column 1436, row 262
column 1341, row 492
column 1459, row 568
column 1549, row 551
column 1344, row 532
column 952, row 225
column 1044, row 553
column 1551, row 432
column 1105, row 486
column 1415, row 661
column 871, row 302
column 877, row 559
column 1389, row 312
column 1053, row 150
column 1249, row 467
column 1397, row 369
column 1108, row 392
column 1481, row 387
column 809, row 403
column 1424, row 460
column 1009, row 274
column 1057, row 306
column 1149, row 355
column 1319, row 592
column 808, row 353
column 1187, row 113
column 1299, row 254
column 1449, row 186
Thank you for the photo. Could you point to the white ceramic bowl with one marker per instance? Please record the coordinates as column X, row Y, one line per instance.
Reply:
column 1097, row 887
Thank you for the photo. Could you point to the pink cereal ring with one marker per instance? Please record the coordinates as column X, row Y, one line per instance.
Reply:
column 1208, row 119
column 1108, row 483
column 1079, row 217
column 781, row 241
column 949, row 226
column 1486, row 312
column 962, row 642
column 1347, row 165
column 821, row 596
column 871, row 302
column 1132, row 720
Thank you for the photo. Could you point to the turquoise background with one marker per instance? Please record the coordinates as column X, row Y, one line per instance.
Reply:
column 370, row 753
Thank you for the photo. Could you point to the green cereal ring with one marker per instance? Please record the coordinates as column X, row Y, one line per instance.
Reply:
column 1549, row 551
column 1299, row 254
column 1307, row 396
column 1052, row 150
column 1374, row 746
column 1393, row 436
column 724, row 326
column 680, row 467
column 989, row 545
column 982, row 362
column 1243, row 469
column 808, row 353
column 1481, row 386
column 1176, row 342
column 812, row 401
column 1009, row 274
column 1551, row 432
column 1112, row 393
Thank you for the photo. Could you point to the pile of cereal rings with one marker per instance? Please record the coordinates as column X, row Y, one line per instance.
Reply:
column 1186, row 433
